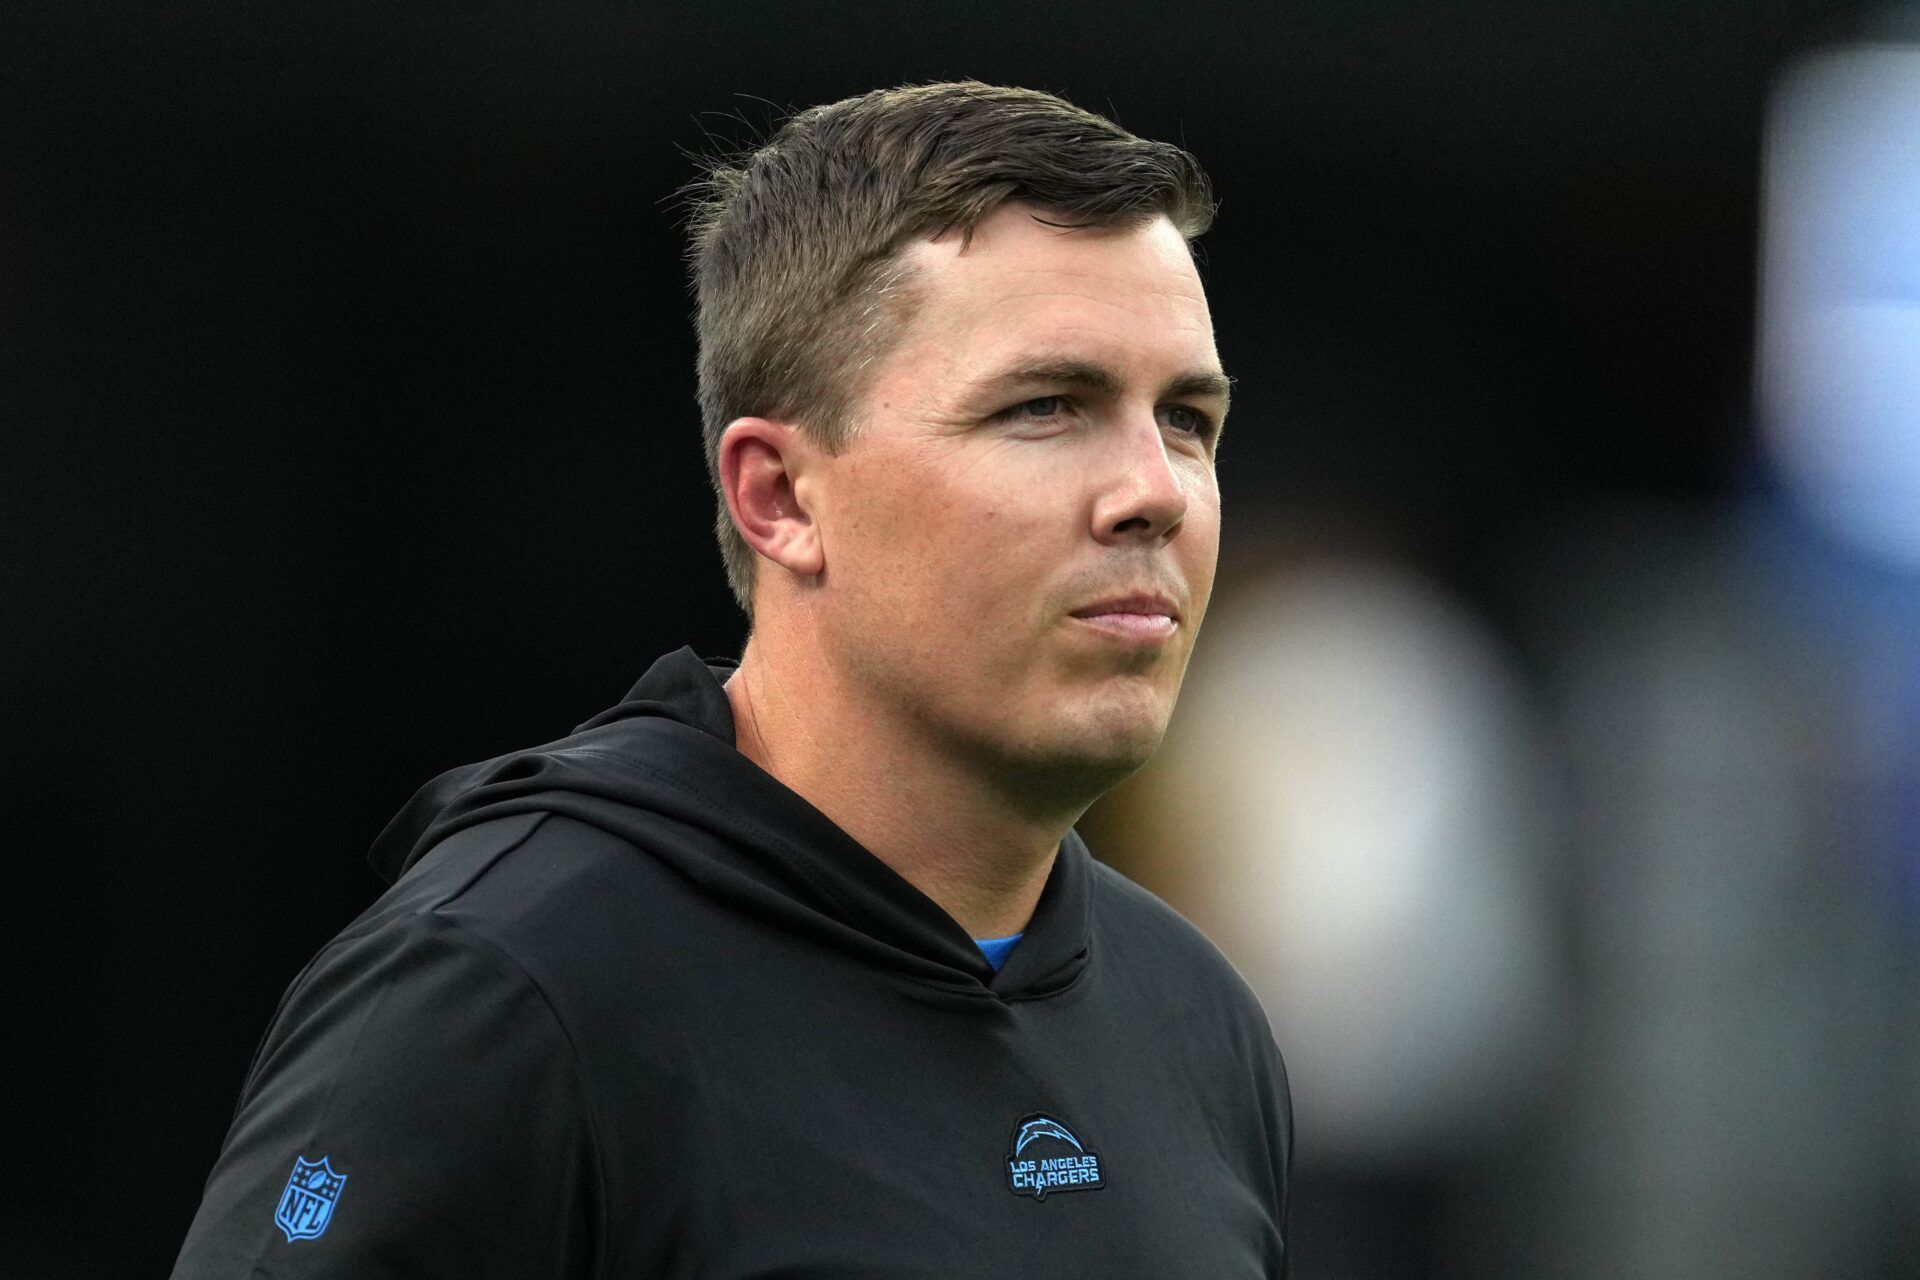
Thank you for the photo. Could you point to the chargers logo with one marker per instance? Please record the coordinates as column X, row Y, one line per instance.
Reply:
column 306, row 1206
column 1047, row 1157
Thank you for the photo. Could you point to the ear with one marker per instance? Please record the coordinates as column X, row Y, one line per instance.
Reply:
column 762, row 466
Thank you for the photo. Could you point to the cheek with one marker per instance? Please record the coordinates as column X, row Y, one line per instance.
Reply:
column 1204, row 516
column 942, row 521
column 1197, row 549
column 896, row 543
column 954, row 567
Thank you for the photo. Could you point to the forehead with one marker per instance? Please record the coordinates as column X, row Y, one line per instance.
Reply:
column 1120, row 295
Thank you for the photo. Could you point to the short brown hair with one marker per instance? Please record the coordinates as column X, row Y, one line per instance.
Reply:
column 794, row 244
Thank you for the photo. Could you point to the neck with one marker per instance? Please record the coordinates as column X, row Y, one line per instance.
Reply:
column 980, row 854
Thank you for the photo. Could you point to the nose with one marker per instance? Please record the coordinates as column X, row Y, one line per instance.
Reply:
column 1142, row 499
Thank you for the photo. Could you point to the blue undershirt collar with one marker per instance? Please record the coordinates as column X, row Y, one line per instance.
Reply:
column 995, row 949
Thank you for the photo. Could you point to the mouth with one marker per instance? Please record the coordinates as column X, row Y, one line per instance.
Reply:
column 1143, row 618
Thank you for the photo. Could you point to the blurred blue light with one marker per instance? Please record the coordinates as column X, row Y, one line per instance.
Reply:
column 1840, row 313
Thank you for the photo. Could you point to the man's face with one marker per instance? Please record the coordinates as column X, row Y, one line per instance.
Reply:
column 972, row 518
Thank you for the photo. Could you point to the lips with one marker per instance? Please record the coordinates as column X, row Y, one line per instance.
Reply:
column 1139, row 602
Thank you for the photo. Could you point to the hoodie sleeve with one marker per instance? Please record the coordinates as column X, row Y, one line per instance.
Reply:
column 414, row 1111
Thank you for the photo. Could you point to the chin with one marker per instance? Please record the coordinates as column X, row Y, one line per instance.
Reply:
column 1112, row 742
column 1072, row 759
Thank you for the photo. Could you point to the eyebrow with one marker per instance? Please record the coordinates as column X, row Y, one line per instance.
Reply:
column 1098, row 380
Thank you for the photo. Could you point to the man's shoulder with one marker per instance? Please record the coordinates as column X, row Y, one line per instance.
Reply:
column 1146, row 935
column 1130, row 908
column 503, row 871
column 544, row 892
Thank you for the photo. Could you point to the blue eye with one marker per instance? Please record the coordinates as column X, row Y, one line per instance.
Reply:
column 1203, row 425
column 1013, row 411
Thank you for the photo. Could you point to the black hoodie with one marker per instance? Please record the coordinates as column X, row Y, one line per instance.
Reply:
column 633, row 1008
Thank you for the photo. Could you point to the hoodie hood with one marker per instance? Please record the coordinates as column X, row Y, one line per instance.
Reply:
column 660, row 771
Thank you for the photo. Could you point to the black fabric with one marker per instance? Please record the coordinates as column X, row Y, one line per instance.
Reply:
column 632, row 1008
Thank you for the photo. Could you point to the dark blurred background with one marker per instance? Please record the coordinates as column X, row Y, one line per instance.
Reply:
column 1549, row 760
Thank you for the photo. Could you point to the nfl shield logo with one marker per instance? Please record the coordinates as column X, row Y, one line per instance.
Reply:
column 306, row 1206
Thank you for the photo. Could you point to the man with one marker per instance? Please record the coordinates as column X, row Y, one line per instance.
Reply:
column 796, row 967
